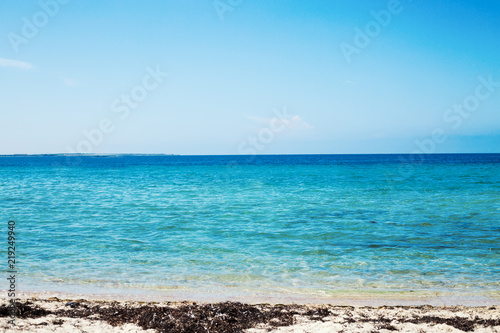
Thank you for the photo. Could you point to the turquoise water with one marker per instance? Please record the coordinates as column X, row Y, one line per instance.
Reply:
column 237, row 225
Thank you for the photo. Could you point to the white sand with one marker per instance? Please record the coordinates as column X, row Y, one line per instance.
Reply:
column 339, row 321
column 46, row 324
column 342, row 319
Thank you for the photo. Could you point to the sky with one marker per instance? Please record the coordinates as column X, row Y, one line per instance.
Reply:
column 249, row 76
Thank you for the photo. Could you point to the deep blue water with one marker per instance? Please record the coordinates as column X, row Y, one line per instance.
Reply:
column 316, row 225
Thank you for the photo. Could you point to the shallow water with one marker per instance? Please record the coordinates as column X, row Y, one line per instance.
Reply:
column 316, row 225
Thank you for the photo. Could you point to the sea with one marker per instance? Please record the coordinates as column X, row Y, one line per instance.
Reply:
column 259, row 228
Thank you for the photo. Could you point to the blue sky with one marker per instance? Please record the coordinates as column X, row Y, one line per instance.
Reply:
column 249, row 76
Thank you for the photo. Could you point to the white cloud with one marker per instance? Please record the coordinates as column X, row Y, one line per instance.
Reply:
column 294, row 123
column 263, row 121
column 15, row 63
column 69, row 82
column 299, row 123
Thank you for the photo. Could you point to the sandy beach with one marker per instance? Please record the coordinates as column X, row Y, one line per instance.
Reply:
column 89, row 315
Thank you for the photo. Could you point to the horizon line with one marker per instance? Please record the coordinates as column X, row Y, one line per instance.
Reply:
column 270, row 154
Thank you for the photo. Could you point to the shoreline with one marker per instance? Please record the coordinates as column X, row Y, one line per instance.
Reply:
column 53, row 314
column 344, row 298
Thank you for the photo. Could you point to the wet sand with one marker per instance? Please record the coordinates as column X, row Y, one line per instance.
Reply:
column 90, row 315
